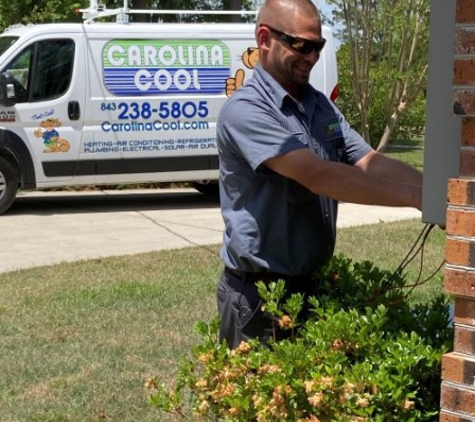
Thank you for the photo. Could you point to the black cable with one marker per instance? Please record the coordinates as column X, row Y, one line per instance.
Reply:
column 408, row 258
column 427, row 229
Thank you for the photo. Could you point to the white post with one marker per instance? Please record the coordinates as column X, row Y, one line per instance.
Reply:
column 122, row 16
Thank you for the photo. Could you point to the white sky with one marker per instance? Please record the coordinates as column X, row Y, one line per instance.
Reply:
column 325, row 9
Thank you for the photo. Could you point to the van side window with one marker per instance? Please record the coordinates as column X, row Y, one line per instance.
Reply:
column 43, row 70
column 19, row 68
column 53, row 69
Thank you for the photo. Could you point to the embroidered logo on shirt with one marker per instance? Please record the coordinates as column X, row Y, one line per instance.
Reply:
column 332, row 129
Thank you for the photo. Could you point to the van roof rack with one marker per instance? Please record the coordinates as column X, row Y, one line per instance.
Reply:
column 96, row 10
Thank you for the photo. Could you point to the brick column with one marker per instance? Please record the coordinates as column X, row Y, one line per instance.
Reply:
column 458, row 367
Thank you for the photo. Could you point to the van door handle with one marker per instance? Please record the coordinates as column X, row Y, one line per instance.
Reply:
column 73, row 110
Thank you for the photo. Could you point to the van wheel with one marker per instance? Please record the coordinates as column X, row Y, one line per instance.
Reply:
column 8, row 184
column 210, row 189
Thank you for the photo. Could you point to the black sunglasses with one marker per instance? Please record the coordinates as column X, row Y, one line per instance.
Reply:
column 301, row 45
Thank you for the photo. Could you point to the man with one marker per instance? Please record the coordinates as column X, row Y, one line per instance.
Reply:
column 287, row 156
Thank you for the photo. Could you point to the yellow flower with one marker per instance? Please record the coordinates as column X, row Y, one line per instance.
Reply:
column 408, row 405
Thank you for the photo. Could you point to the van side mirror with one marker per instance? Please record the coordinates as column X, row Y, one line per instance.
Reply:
column 7, row 90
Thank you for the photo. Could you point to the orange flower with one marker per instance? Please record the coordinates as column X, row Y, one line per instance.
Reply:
column 362, row 402
column 150, row 382
column 206, row 357
column 203, row 407
column 285, row 322
column 327, row 382
column 243, row 348
column 233, row 411
column 201, row 383
column 311, row 418
column 309, row 386
column 316, row 400
column 338, row 344
column 269, row 369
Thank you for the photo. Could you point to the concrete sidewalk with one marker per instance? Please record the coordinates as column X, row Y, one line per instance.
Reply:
column 48, row 228
column 357, row 215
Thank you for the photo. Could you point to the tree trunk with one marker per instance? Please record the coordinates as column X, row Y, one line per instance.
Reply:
column 384, row 141
column 140, row 4
column 389, row 129
column 235, row 5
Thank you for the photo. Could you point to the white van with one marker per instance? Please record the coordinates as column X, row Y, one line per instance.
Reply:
column 115, row 103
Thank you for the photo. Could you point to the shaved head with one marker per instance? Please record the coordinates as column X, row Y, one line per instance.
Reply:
column 281, row 13
column 281, row 27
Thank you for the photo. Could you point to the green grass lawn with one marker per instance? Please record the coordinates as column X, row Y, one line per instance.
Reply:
column 78, row 340
column 411, row 154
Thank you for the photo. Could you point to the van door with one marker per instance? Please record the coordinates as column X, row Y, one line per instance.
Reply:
column 49, row 86
column 151, row 114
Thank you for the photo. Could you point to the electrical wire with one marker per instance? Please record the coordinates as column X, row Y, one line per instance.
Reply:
column 410, row 256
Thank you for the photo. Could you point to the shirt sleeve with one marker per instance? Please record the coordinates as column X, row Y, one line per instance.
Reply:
column 356, row 146
column 253, row 130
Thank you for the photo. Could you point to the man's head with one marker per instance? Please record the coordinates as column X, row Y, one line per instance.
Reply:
column 289, row 36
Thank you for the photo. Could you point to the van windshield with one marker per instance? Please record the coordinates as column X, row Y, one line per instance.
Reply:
column 6, row 42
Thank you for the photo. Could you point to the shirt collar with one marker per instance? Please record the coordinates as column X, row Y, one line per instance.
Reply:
column 275, row 90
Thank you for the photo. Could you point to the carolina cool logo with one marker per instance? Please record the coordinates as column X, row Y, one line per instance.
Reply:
column 144, row 67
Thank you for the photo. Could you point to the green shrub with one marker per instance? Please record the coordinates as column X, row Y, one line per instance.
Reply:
column 365, row 354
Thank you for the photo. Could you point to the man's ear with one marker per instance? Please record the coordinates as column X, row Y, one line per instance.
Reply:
column 263, row 38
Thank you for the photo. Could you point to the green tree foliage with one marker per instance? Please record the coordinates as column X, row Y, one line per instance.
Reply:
column 411, row 123
column 384, row 55
column 37, row 11
column 45, row 11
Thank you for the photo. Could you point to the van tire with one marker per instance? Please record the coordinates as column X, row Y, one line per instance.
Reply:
column 209, row 189
column 8, row 184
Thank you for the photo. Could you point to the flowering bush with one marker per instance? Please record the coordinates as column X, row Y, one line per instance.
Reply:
column 365, row 354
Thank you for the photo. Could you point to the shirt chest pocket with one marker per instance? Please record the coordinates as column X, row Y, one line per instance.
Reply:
column 332, row 140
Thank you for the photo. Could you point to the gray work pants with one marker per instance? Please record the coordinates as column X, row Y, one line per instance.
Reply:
column 239, row 309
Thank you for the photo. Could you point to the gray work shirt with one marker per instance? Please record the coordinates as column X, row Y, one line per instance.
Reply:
column 272, row 223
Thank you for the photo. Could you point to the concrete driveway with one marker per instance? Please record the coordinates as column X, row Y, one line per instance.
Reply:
column 44, row 228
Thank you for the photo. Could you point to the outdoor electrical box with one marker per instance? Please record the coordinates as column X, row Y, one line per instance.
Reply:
column 443, row 128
